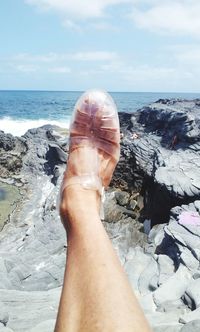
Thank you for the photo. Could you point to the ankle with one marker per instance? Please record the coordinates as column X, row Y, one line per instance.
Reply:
column 78, row 204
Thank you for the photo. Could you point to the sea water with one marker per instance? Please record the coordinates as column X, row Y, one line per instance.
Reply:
column 22, row 110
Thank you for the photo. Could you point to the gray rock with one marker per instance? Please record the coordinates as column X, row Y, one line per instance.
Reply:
column 168, row 328
column 28, row 309
column 58, row 153
column 193, row 326
column 148, row 280
column 147, row 303
column 46, row 326
column 164, row 160
column 156, row 234
column 193, row 292
column 4, row 316
column 188, row 259
column 173, row 306
column 112, row 211
column 147, row 226
column 185, row 236
column 5, row 329
column 12, row 150
column 7, row 141
column 33, row 243
column 166, row 268
column 133, row 204
column 162, row 320
column 196, row 275
column 177, row 282
column 136, row 262
column 190, row 316
column 125, row 235
column 140, row 202
column 122, row 197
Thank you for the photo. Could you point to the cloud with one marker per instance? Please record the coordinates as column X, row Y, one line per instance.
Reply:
column 56, row 63
column 185, row 56
column 81, row 9
column 61, row 57
column 103, row 26
column 60, row 70
column 109, row 70
column 177, row 17
column 71, row 25
column 95, row 56
column 144, row 76
column 190, row 56
column 26, row 68
column 139, row 72
column 101, row 63
column 27, row 57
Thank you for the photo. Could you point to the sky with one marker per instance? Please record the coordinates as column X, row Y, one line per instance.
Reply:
column 117, row 45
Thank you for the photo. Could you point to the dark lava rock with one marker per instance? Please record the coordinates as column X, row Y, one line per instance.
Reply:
column 164, row 271
column 44, row 153
column 160, row 156
column 7, row 141
column 122, row 197
column 12, row 150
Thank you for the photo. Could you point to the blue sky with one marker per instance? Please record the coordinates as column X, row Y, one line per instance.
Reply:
column 118, row 45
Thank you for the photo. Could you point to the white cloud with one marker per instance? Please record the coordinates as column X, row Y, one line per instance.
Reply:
column 27, row 57
column 24, row 68
column 191, row 56
column 56, row 63
column 103, row 26
column 59, row 70
column 60, row 57
column 185, row 61
column 139, row 72
column 95, row 56
column 177, row 17
column 126, row 76
column 110, row 70
column 146, row 73
column 77, row 8
column 185, row 56
column 71, row 25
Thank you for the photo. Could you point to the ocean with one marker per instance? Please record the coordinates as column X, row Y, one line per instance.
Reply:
column 22, row 110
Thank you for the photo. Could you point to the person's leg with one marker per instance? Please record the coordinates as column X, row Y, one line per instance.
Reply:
column 96, row 294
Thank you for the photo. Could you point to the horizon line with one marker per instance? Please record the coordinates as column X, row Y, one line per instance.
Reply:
column 81, row 91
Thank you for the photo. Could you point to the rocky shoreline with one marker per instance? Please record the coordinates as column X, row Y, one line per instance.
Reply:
column 156, row 179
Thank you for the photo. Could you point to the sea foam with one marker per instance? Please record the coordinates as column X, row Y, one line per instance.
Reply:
column 18, row 127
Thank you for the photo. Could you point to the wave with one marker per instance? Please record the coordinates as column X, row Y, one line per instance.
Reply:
column 19, row 127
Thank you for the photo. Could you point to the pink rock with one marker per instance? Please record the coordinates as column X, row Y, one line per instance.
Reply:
column 189, row 218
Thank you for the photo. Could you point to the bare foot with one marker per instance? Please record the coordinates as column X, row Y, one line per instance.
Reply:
column 94, row 152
